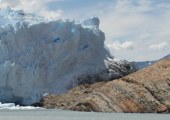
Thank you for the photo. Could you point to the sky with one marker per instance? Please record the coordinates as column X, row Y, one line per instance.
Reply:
column 135, row 30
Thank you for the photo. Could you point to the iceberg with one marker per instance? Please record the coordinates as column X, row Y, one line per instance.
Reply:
column 39, row 55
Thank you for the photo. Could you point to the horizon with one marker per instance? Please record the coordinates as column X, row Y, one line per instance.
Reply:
column 134, row 30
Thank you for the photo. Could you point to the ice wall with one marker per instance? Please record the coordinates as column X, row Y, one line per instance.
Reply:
column 40, row 56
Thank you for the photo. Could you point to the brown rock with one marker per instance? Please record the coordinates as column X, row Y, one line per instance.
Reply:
column 147, row 90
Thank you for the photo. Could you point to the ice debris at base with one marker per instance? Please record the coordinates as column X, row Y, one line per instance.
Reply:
column 39, row 55
column 12, row 106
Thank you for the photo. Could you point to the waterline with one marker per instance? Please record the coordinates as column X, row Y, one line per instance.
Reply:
column 71, row 115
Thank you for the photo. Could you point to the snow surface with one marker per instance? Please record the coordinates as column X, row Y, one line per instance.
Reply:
column 39, row 55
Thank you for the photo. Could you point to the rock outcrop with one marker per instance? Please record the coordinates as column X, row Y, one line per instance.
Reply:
column 147, row 90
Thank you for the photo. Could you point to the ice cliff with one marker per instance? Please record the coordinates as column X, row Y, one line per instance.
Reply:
column 39, row 55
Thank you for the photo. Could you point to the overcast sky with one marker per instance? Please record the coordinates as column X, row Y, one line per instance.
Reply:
column 135, row 30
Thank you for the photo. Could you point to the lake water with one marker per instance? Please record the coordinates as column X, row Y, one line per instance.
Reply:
column 70, row 115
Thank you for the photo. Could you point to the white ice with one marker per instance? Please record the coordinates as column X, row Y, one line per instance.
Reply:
column 12, row 106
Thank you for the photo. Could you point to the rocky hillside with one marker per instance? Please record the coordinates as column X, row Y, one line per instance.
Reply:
column 146, row 90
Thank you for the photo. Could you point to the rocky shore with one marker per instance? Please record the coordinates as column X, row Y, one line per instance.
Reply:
column 147, row 90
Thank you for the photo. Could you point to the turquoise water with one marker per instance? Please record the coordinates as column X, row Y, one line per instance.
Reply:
column 70, row 115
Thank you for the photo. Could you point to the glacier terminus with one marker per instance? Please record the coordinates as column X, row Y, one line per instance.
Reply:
column 39, row 55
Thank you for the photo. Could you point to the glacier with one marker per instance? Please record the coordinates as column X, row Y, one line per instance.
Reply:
column 40, row 56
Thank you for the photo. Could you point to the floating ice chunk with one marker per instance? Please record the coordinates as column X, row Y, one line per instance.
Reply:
column 12, row 106
column 45, row 94
column 6, row 105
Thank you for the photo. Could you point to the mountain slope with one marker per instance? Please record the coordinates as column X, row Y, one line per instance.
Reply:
column 144, row 64
column 147, row 90
column 141, row 65
column 166, row 57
